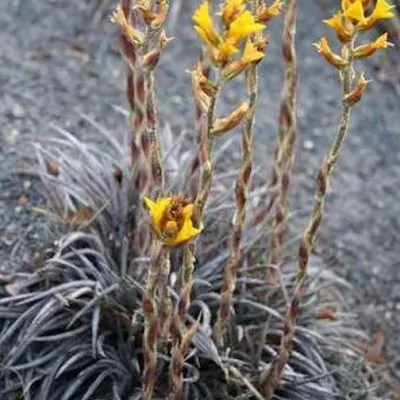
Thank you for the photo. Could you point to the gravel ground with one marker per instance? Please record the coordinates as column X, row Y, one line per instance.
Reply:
column 59, row 59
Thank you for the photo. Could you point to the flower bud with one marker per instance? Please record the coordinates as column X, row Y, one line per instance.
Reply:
column 332, row 58
column 265, row 13
column 230, row 9
column 355, row 95
column 223, row 125
column 150, row 59
column 202, row 87
column 133, row 35
column 368, row 49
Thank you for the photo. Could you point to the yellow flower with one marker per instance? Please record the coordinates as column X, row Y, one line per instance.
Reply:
column 251, row 54
column 224, row 50
column 239, row 24
column 243, row 26
column 382, row 10
column 339, row 25
column 352, row 17
column 365, row 50
column 204, row 25
column 230, row 10
column 171, row 218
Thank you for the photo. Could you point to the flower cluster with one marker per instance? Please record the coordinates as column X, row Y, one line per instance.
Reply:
column 240, row 30
column 171, row 219
column 238, row 23
column 347, row 23
column 352, row 17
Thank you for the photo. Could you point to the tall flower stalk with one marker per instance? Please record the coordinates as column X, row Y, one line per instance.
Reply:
column 142, row 51
column 237, row 23
column 159, row 259
column 142, row 48
column 241, row 197
column 180, row 333
column 287, row 138
column 347, row 24
column 255, row 46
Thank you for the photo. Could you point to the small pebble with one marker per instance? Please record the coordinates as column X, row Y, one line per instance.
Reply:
column 18, row 111
column 376, row 270
column 27, row 184
column 10, row 234
column 308, row 145
column 23, row 200
column 12, row 136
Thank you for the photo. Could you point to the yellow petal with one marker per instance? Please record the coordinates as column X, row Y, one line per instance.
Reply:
column 188, row 211
column 157, row 210
column 346, row 4
column 243, row 26
column 203, row 35
column 355, row 11
column 170, row 229
column 334, row 22
column 202, row 16
column 337, row 23
column 251, row 53
column 227, row 48
column 382, row 42
column 187, row 232
column 204, row 24
column 382, row 10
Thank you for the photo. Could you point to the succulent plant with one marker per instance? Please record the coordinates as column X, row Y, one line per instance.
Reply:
column 191, row 311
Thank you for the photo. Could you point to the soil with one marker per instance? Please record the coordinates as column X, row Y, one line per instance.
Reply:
column 59, row 61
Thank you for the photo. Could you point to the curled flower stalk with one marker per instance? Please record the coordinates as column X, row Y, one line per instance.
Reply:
column 287, row 139
column 268, row 198
column 205, row 105
column 159, row 256
column 206, row 149
column 352, row 23
column 241, row 197
column 254, row 51
column 181, row 335
column 130, row 38
column 237, row 24
column 154, row 14
column 142, row 52
column 141, row 45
